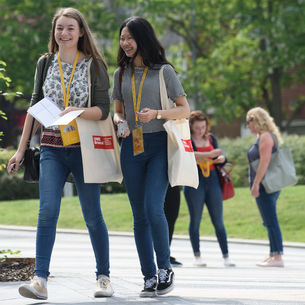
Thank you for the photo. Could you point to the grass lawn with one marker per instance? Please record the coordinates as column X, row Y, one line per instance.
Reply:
column 241, row 216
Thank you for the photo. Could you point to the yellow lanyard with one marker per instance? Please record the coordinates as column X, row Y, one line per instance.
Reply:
column 137, row 102
column 64, row 92
column 205, row 167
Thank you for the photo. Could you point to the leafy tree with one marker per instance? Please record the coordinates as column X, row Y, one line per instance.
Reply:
column 233, row 54
column 278, row 28
column 4, row 83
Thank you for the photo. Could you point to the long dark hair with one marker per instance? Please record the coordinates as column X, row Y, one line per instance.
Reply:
column 148, row 45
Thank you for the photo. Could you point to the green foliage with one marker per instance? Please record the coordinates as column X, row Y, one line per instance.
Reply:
column 13, row 187
column 25, row 31
column 227, row 57
column 3, row 253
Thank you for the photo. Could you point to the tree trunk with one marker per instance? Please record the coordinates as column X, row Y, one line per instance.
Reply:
column 275, row 79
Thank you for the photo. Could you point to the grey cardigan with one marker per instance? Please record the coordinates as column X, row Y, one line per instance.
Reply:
column 99, row 84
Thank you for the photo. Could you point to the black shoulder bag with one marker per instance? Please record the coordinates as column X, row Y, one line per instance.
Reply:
column 31, row 161
column 32, row 154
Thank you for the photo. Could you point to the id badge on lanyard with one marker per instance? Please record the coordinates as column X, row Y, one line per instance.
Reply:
column 69, row 133
column 137, row 134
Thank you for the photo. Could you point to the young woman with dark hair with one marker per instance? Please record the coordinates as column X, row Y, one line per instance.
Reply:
column 136, row 95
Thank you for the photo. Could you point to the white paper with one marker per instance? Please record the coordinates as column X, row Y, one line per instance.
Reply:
column 47, row 113
column 67, row 118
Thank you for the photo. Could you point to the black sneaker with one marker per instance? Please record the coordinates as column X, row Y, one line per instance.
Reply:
column 174, row 262
column 150, row 287
column 166, row 281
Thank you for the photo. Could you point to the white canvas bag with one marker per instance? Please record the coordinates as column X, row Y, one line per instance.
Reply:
column 100, row 148
column 182, row 167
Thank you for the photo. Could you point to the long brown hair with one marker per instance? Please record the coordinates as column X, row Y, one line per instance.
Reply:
column 198, row 115
column 85, row 44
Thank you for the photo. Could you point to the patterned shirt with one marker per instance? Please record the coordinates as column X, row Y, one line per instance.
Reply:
column 78, row 97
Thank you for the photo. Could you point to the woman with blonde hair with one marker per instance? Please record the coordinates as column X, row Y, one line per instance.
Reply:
column 62, row 75
column 261, row 123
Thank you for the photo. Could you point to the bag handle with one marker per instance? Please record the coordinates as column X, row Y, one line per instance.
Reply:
column 89, row 82
column 30, row 136
column 165, row 103
column 226, row 172
column 41, row 95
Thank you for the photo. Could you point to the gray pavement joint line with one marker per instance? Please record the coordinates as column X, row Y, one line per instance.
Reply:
column 181, row 237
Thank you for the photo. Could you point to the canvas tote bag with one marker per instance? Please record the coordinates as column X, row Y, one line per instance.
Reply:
column 182, row 167
column 100, row 148
column 280, row 172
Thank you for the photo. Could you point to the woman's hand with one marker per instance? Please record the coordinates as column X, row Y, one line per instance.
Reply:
column 215, row 153
column 68, row 109
column 255, row 190
column 147, row 114
column 126, row 134
column 220, row 159
column 15, row 162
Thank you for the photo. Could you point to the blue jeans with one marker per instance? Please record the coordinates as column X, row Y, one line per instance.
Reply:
column 55, row 165
column 146, row 181
column 208, row 192
column 267, row 207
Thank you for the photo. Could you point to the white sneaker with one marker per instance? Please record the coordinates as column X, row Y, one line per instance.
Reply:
column 103, row 287
column 199, row 262
column 36, row 290
column 228, row 263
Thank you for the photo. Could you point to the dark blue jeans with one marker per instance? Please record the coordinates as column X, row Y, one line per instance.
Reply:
column 267, row 207
column 209, row 193
column 146, row 181
column 55, row 165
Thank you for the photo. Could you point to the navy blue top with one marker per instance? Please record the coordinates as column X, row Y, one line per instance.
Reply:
column 253, row 154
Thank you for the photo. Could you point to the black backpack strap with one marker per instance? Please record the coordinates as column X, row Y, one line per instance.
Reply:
column 42, row 78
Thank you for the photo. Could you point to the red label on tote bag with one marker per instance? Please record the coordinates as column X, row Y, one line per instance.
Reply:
column 103, row 142
column 187, row 145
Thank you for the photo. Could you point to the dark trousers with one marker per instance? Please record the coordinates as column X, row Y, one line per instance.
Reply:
column 171, row 208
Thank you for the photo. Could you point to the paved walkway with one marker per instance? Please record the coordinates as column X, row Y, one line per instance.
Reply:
column 72, row 279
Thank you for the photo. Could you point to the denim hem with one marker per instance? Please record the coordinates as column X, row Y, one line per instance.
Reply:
column 98, row 274
column 42, row 274
column 276, row 253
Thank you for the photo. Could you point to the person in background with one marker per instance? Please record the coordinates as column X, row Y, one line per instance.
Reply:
column 62, row 75
column 137, row 106
column 171, row 209
column 268, row 140
column 208, row 156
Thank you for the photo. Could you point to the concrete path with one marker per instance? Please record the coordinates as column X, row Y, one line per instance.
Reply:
column 72, row 278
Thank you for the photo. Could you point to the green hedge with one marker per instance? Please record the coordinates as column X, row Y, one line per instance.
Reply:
column 12, row 188
column 236, row 152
